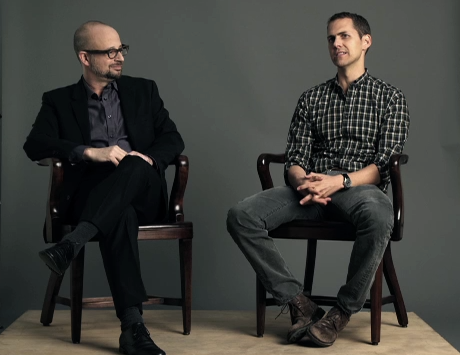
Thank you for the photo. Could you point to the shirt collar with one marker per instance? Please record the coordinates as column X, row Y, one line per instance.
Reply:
column 358, row 82
column 90, row 93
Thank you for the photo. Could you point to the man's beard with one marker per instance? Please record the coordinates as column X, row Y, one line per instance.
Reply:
column 104, row 74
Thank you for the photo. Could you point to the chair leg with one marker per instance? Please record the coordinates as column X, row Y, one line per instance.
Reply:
column 393, row 286
column 376, row 306
column 310, row 267
column 76, row 295
column 49, row 303
column 261, row 299
column 185, row 252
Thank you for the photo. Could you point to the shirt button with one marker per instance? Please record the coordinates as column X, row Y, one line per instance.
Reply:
column 111, row 136
column 105, row 99
column 109, row 116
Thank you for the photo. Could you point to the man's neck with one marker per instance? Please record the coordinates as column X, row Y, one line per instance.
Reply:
column 346, row 76
column 96, row 85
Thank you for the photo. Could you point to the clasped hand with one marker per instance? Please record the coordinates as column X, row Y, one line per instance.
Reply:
column 112, row 154
column 317, row 188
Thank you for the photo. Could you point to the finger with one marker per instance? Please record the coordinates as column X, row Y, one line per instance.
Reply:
column 314, row 178
column 117, row 150
column 306, row 199
column 321, row 192
column 137, row 154
column 313, row 190
column 321, row 200
column 114, row 161
column 120, row 154
column 303, row 187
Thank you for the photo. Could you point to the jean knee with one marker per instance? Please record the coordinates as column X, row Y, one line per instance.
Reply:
column 376, row 212
column 238, row 218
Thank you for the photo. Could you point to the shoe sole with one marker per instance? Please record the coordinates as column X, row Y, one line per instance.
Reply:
column 316, row 340
column 50, row 263
column 300, row 333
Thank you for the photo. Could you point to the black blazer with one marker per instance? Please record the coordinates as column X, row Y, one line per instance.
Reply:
column 63, row 124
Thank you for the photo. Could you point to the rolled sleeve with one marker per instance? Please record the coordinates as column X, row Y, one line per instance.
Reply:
column 393, row 135
column 300, row 140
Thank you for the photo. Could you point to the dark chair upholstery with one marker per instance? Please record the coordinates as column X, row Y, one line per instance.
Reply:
column 339, row 231
column 175, row 228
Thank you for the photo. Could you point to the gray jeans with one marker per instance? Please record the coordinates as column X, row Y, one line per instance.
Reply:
column 366, row 207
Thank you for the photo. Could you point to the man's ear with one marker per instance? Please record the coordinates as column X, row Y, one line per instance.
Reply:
column 84, row 59
column 367, row 42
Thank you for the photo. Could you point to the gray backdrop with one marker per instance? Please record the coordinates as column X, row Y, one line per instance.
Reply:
column 230, row 72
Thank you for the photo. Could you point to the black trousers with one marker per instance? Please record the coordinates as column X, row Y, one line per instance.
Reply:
column 117, row 200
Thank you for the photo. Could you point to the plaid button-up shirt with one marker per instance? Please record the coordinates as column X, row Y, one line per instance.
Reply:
column 365, row 126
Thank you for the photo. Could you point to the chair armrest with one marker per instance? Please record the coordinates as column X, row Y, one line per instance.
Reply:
column 263, row 168
column 176, row 199
column 53, row 221
column 396, row 161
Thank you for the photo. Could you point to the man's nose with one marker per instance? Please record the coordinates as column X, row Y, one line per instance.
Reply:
column 119, row 57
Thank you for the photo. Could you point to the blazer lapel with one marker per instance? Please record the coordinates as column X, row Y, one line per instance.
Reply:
column 80, row 110
column 128, row 103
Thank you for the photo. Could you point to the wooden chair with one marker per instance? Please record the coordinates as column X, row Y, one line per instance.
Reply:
column 339, row 231
column 176, row 228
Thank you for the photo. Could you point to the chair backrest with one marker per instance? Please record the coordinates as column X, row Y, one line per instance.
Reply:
column 396, row 160
column 54, row 228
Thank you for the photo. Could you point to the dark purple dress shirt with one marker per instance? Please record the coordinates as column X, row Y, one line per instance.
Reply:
column 105, row 120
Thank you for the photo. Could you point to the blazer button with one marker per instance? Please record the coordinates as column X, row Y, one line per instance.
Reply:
column 68, row 197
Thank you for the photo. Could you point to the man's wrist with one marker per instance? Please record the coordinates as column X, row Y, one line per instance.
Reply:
column 296, row 175
column 87, row 153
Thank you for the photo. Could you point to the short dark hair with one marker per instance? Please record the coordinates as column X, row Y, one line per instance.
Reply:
column 81, row 36
column 360, row 23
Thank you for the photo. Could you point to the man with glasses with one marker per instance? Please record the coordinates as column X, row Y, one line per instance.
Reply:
column 116, row 140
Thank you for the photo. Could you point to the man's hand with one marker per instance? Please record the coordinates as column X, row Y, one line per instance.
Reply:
column 302, row 183
column 321, row 189
column 310, row 199
column 113, row 154
column 145, row 157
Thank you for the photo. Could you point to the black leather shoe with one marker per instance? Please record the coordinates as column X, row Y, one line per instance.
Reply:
column 59, row 256
column 136, row 341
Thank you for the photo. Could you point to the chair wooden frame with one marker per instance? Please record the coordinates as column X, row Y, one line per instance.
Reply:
column 339, row 231
column 175, row 228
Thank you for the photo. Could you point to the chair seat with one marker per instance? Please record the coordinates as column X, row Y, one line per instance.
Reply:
column 176, row 230
column 320, row 230
column 179, row 230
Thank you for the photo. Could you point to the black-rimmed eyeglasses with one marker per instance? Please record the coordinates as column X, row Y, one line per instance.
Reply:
column 112, row 52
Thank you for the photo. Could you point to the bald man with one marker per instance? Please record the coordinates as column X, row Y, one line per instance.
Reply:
column 115, row 139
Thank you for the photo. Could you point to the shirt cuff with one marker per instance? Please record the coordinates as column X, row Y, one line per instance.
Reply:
column 76, row 155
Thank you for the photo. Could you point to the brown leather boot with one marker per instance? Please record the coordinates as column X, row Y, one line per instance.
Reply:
column 325, row 331
column 304, row 312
